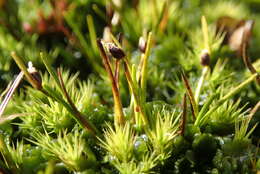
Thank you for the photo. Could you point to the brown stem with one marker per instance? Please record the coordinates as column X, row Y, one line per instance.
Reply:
column 192, row 112
column 184, row 114
column 248, row 63
column 117, row 70
column 77, row 113
column 190, row 94
column 118, row 109
column 254, row 110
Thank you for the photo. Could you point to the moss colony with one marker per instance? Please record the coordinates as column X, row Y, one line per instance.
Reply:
column 129, row 86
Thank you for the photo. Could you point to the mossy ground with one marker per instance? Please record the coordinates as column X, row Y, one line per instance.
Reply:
column 130, row 87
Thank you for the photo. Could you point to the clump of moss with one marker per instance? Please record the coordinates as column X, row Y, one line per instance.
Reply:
column 145, row 86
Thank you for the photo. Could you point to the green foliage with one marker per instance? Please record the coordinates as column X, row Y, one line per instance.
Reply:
column 224, row 118
column 69, row 148
column 68, row 121
column 119, row 142
column 162, row 132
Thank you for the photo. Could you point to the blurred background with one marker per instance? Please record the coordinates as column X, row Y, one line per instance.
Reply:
column 65, row 29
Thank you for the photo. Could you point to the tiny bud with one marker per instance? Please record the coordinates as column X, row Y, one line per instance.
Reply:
column 142, row 44
column 137, row 109
column 115, row 51
column 27, row 27
column 205, row 58
column 107, row 35
column 115, row 19
column 35, row 74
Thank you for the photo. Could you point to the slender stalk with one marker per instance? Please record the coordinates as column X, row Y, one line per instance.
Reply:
column 238, row 88
column 205, row 71
column 205, row 33
column 10, row 92
column 50, row 69
column 248, row 63
column 133, row 104
column 70, row 107
column 118, row 109
column 139, row 68
column 144, row 67
column 92, row 33
column 184, row 114
column 21, row 65
column 192, row 112
column 190, row 94
column 254, row 110
column 133, row 88
column 50, row 93
column 117, row 70
column 78, row 115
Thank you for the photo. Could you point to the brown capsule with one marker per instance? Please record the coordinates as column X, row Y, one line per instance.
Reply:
column 35, row 74
column 205, row 58
column 241, row 36
column 27, row 27
column 115, row 51
column 237, row 32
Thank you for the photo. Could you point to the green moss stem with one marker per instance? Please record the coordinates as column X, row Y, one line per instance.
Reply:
column 144, row 69
column 139, row 106
column 92, row 33
column 238, row 88
column 205, row 71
